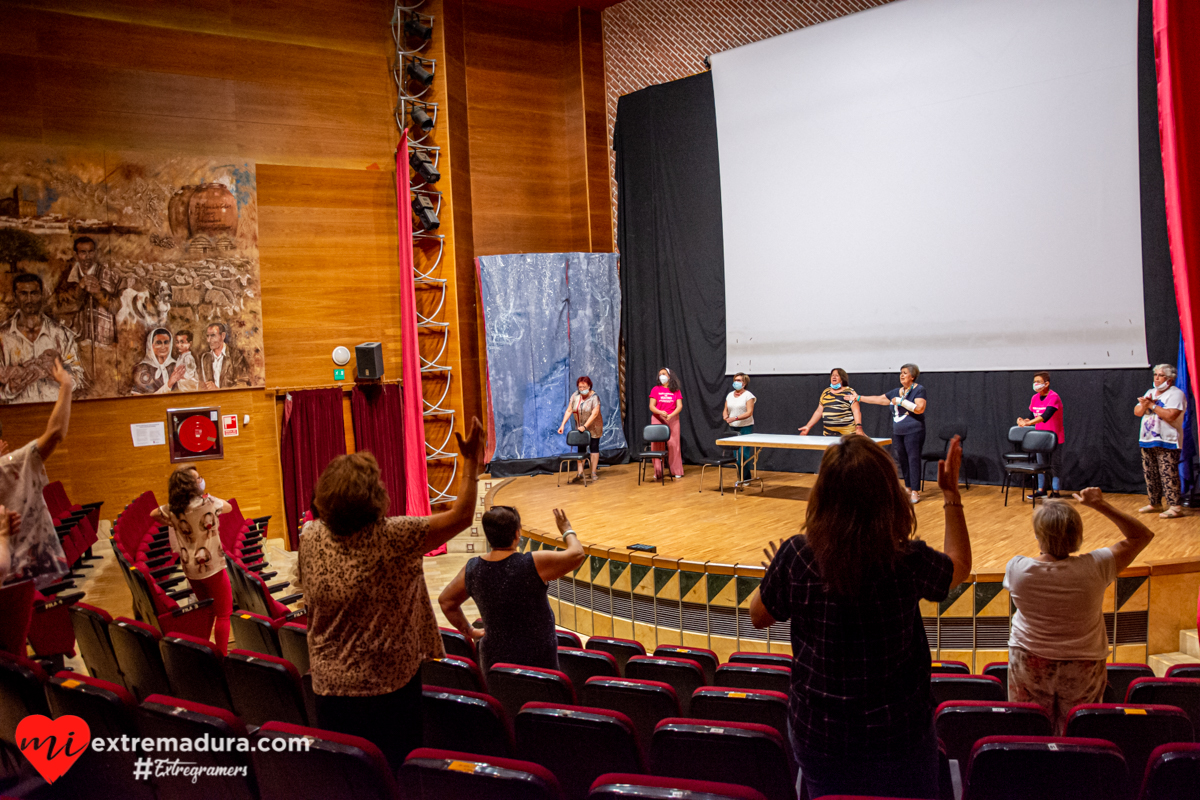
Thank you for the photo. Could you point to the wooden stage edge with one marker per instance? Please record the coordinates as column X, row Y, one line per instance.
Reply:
column 695, row 589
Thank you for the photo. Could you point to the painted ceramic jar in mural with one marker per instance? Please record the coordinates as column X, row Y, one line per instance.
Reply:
column 177, row 210
column 212, row 211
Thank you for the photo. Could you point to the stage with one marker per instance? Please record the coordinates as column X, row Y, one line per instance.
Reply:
column 709, row 554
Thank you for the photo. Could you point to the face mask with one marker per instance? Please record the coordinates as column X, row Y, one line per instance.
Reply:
column 1037, row 387
column 201, row 485
column 737, row 386
column 835, row 386
column 1160, row 385
column 663, row 379
column 583, row 392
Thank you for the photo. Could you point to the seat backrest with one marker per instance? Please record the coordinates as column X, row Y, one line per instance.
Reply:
column 967, row 687
column 734, row 752
column 1181, row 692
column 1005, row 767
column 646, row 703
column 1119, row 676
column 568, row 639
column 754, row 676
column 331, row 765
column 194, row 670
column 621, row 649
column 742, row 705
column 453, row 672
column 999, row 671
column 135, row 645
column 22, row 692
column 16, row 615
column 1016, row 434
column 514, row 686
column 1183, row 671
column 469, row 722
column 430, row 774
column 106, row 707
column 264, row 688
column 255, row 633
column 618, row 786
column 583, row 664
column 1173, row 771
column 949, row 668
column 160, row 716
column 656, row 433
column 293, row 644
column 577, row 438
column 683, row 674
column 1039, row 441
column 1137, row 730
column 961, row 723
column 761, row 659
column 577, row 743
column 955, row 427
column 455, row 644
column 707, row 659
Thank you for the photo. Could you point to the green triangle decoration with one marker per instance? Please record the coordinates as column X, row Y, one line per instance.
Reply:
column 662, row 577
column 1126, row 588
column 688, row 581
column 716, row 583
column 615, row 568
column 955, row 593
column 635, row 577
column 746, row 587
column 597, row 565
column 986, row 593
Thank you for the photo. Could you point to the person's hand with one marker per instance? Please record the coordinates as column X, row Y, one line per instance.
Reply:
column 1024, row 423
column 472, row 447
column 771, row 552
column 582, row 429
column 1092, row 497
column 61, row 374
column 727, row 418
column 475, row 633
column 560, row 428
column 804, row 431
column 896, row 400
column 560, row 519
column 948, row 469
column 91, row 284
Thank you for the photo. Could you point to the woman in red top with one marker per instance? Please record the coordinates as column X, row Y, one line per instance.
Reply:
column 665, row 404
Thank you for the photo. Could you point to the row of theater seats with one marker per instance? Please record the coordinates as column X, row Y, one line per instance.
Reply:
column 566, row 752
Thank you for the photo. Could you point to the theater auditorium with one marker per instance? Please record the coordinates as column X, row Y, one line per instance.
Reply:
column 598, row 399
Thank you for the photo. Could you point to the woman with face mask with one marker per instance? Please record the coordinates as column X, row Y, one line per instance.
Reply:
column 739, row 415
column 666, row 403
column 1047, row 409
column 838, row 409
column 585, row 407
column 908, row 426
column 1161, row 410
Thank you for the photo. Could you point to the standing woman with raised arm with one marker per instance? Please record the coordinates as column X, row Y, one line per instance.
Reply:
column 838, row 410
column 908, row 425
column 666, row 403
column 739, row 416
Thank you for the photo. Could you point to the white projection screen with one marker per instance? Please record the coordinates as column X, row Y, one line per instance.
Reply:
column 947, row 182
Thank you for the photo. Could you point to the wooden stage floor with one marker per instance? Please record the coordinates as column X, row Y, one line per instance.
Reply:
column 706, row 526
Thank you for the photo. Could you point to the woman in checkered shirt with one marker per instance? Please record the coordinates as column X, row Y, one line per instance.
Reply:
column 860, row 702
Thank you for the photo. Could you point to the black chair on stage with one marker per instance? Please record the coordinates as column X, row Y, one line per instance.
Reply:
column 1035, row 443
column 1016, row 438
column 948, row 432
column 652, row 434
column 574, row 439
column 728, row 458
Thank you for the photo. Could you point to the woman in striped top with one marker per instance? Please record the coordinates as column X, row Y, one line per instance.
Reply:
column 838, row 410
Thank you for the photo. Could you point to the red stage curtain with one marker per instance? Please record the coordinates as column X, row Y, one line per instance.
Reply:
column 1177, row 58
column 313, row 435
column 378, row 428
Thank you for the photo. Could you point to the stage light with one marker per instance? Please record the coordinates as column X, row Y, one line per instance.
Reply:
column 424, row 167
column 417, row 29
column 419, row 73
column 421, row 119
column 422, row 206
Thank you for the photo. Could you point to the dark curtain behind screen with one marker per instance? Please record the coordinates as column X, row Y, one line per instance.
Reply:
column 673, row 314
column 313, row 435
column 378, row 428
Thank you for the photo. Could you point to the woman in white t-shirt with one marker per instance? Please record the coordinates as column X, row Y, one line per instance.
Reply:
column 739, row 415
column 1161, row 410
column 1057, row 645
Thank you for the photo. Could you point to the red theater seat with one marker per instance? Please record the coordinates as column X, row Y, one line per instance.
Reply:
column 961, row 723
column 442, row 774
column 646, row 703
column 465, row 721
column 514, row 686
column 577, row 743
column 1044, row 768
column 683, row 674
column 621, row 649
column 615, row 786
column 333, row 765
column 733, row 752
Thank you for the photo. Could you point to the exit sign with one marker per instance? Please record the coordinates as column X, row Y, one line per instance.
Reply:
column 339, row 374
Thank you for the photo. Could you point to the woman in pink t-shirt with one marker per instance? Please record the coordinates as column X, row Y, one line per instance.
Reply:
column 665, row 404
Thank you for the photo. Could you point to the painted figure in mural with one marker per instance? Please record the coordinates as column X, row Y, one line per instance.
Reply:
column 222, row 366
column 84, row 294
column 155, row 374
column 31, row 342
column 186, row 372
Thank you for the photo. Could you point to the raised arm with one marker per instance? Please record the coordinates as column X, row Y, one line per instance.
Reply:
column 811, row 421
column 451, row 600
column 1137, row 535
column 60, row 417
column 874, row 399
column 553, row 564
column 958, row 543
column 445, row 526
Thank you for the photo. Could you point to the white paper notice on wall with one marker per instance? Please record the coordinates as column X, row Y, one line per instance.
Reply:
column 148, row 434
column 229, row 425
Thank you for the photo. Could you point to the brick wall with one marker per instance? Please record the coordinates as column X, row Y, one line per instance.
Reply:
column 647, row 42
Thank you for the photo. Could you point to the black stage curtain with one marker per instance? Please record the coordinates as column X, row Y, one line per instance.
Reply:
column 673, row 307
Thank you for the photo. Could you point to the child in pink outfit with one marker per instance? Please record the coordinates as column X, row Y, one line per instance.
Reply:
column 665, row 404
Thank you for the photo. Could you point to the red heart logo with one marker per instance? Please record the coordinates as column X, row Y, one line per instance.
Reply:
column 53, row 745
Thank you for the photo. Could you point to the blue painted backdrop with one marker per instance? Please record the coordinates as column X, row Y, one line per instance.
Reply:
column 550, row 317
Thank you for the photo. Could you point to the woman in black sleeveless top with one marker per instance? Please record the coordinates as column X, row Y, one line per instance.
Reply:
column 509, row 588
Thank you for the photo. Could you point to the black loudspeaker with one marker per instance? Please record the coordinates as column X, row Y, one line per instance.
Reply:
column 368, row 357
